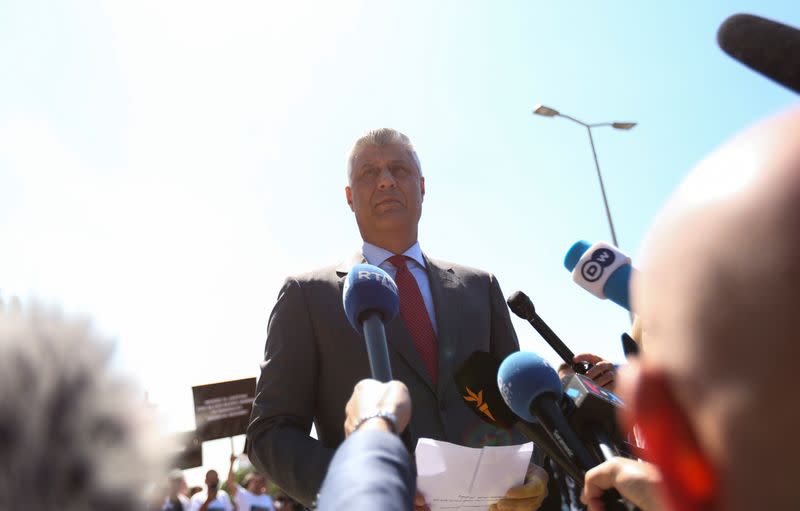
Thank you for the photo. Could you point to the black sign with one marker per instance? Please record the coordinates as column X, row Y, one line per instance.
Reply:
column 223, row 409
column 186, row 450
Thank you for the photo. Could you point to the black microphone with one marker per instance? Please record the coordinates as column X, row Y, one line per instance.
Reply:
column 476, row 380
column 765, row 46
column 532, row 389
column 370, row 301
column 629, row 346
column 521, row 305
column 591, row 412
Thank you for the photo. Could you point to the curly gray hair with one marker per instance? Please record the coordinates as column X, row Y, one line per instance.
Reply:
column 72, row 435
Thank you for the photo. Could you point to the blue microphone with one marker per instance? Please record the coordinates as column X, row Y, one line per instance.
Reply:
column 532, row 389
column 522, row 377
column 602, row 270
column 370, row 301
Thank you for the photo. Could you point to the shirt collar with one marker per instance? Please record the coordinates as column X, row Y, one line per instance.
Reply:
column 377, row 255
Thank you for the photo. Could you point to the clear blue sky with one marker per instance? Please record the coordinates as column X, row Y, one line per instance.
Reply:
column 164, row 165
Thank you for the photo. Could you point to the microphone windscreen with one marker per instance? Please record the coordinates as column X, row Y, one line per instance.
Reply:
column 768, row 47
column 524, row 376
column 521, row 305
column 575, row 253
column 602, row 269
column 368, row 288
column 476, row 380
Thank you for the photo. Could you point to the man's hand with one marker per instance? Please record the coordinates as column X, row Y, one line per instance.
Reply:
column 603, row 373
column 527, row 497
column 371, row 396
column 636, row 481
column 419, row 502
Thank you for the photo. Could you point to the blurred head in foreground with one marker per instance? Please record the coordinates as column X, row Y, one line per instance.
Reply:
column 719, row 298
column 72, row 435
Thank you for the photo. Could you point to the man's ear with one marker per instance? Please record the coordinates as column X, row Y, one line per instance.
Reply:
column 422, row 185
column 670, row 441
column 348, row 193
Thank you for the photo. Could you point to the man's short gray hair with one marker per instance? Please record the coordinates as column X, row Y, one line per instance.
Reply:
column 381, row 137
column 73, row 436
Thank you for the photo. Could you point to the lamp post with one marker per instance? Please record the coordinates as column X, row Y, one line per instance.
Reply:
column 550, row 112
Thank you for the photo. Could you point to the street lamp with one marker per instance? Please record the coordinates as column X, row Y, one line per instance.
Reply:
column 551, row 112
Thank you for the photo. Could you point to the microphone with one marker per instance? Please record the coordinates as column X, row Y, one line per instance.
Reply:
column 591, row 412
column 765, row 46
column 521, row 305
column 602, row 270
column 532, row 389
column 476, row 380
column 629, row 346
column 370, row 301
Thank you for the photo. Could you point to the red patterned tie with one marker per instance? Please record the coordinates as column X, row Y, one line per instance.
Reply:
column 415, row 315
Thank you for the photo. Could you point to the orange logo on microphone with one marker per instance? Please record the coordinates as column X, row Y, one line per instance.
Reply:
column 479, row 404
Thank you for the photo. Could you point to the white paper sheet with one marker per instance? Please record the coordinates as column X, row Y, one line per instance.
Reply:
column 456, row 478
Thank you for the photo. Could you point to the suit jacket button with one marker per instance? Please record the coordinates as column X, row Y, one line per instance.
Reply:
column 442, row 406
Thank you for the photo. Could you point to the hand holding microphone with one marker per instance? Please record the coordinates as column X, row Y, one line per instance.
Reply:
column 636, row 481
column 476, row 380
column 532, row 389
column 376, row 405
column 601, row 371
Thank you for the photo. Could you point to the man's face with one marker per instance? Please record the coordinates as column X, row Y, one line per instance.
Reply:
column 385, row 191
column 257, row 485
column 176, row 486
column 212, row 480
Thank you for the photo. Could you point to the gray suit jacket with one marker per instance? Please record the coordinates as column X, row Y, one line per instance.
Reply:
column 314, row 358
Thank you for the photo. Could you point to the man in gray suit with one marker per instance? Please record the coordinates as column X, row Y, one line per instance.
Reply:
column 313, row 358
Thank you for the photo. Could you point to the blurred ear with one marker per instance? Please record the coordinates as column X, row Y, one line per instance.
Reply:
column 669, row 439
column 348, row 193
column 422, row 185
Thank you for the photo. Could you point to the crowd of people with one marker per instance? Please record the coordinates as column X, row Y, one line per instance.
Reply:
column 249, row 491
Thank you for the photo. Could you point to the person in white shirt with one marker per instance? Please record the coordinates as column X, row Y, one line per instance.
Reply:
column 213, row 499
column 253, row 495
column 176, row 500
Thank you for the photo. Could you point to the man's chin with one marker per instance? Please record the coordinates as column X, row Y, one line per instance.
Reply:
column 392, row 221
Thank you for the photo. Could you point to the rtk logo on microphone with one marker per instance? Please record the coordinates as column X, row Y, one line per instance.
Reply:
column 383, row 279
column 592, row 269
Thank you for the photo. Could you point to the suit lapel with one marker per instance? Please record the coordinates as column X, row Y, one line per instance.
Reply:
column 446, row 301
column 397, row 334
